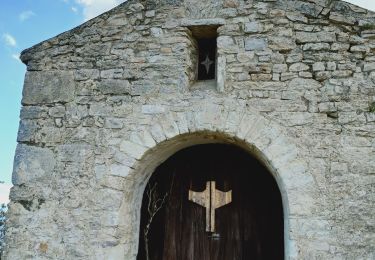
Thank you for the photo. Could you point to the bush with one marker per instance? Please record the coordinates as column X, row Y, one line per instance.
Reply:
column 2, row 227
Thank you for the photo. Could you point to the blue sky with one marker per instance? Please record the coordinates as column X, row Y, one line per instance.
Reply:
column 24, row 23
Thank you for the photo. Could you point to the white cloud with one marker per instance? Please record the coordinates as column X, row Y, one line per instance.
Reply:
column 16, row 56
column 26, row 15
column 363, row 3
column 4, row 192
column 74, row 9
column 92, row 8
column 9, row 40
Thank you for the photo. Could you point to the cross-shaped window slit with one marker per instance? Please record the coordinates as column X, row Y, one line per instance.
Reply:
column 205, row 36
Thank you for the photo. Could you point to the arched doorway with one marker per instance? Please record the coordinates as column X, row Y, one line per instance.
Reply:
column 249, row 226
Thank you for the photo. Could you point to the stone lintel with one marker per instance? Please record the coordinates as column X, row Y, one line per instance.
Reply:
column 202, row 22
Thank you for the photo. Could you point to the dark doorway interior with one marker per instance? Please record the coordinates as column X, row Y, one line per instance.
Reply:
column 250, row 227
column 207, row 58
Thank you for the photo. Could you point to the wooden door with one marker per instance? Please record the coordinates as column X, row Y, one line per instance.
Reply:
column 250, row 227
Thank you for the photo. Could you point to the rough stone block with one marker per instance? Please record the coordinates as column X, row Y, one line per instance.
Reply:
column 337, row 46
column 57, row 111
column 281, row 43
column 305, row 37
column 298, row 67
column 360, row 48
column 134, row 150
column 299, row 83
column 27, row 130
column 307, row 8
column 331, row 65
column 45, row 87
column 344, row 19
column 31, row 163
column 370, row 117
column 253, row 27
column 33, row 112
column 319, row 66
column 119, row 170
column 114, row 87
column 227, row 44
column 369, row 66
column 153, row 109
column 252, row 43
column 296, row 17
column 294, row 57
column 85, row 74
column 77, row 153
column 113, row 123
column 111, row 74
column 279, row 68
column 316, row 47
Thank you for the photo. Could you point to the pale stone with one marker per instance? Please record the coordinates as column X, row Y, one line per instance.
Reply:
column 32, row 163
column 226, row 43
column 308, row 8
column 114, row 86
column 132, row 149
column 316, row 46
column 331, row 65
column 111, row 74
column 48, row 87
column 143, row 138
column 345, row 19
column 279, row 68
column 298, row 67
column 150, row 13
column 369, row 66
column 327, row 107
column 340, row 46
column 370, row 117
column 153, row 109
column 33, row 112
column 281, row 43
column 27, row 131
column 73, row 152
column 360, row 48
column 296, row 17
column 253, row 27
column 119, row 170
column 319, row 66
column 255, row 44
column 169, row 126
column 114, row 123
column 57, row 111
column 304, row 37
column 221, row 73
column 294, row 57
column 85, row 74
column 304, row 83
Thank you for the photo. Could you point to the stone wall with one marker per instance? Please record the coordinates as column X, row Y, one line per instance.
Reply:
column 108, row 101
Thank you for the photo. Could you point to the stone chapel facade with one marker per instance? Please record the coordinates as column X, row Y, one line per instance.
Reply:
column 292, row 83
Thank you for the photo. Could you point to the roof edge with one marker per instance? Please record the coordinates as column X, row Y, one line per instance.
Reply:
column 27, row 54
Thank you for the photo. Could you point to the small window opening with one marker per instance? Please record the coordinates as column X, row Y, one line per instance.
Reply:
column 205, row 36
column 207, row 59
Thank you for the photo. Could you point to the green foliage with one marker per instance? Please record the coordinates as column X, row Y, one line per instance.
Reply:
column 372, row 107
column 368, row 27
column 3, row 209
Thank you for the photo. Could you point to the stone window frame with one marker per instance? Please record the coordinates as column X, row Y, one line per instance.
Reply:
column 220, row 68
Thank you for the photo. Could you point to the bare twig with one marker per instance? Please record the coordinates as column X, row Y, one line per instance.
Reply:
column 155, row 203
